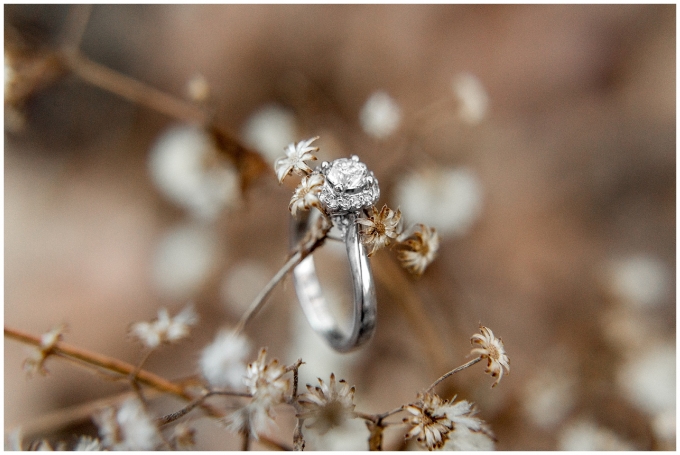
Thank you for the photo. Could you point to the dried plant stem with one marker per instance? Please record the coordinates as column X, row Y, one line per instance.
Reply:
column 261, row 298
column 396, row 283
column 134, row 90
column 191, row 406
column 76, row 23
column 455, row 370
column 97, row 360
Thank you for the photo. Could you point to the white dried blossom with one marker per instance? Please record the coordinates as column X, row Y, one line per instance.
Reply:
column 268, row 128
column 492, row 349
column 429, row 422
column 198, row 88
column 306, row 194
column 223, row 362
column 648, row 380
column 418, row 250
column 36, row 362
column 184, row 259
column 268, row 386
column 87, row 443
column 128, row 428
column 186, row 167
column 327, row 405
column 380, row 116
column 294, row 161
column 448, row 199
column 584, row 435
column 472, row 96
column 379, row 228
column 640, row 281
column 165, row 329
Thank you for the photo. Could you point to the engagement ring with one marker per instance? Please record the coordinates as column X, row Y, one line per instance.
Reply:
column 348, row 189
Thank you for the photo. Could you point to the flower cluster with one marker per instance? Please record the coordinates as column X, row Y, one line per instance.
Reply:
column 127, row 428
column 165, row 329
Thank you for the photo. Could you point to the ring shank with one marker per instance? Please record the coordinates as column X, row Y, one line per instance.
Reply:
column 313, row 302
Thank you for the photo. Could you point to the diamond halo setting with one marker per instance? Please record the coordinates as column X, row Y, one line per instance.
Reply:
column 349, row 186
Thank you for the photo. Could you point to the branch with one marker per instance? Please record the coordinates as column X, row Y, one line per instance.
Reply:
column 455, row 370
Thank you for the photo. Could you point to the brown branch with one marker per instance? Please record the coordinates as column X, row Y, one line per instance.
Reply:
column 455, row 370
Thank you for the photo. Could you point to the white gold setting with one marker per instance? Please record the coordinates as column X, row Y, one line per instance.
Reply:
column 349, row 188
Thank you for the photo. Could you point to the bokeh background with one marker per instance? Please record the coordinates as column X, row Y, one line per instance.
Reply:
column 539, row 141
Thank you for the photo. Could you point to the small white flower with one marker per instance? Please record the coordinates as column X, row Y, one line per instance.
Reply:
column 36, row 362
column 306, row 194
column 186, row 167
column 87, row 443
column 327, row 405
column 492, row 349
column 474, row 101
column 641, row 281
column 165, row 329
column 268, row 128
column 447, row 199
column 584, row 435
column 223, row 362
column 429, row 422
column 380, row 116
column 294, row 161
column 648, row 380
column 418, row 250
column 379, row 228
column 129, row 428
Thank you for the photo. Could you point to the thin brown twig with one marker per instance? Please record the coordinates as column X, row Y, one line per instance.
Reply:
column 455, row 370
column 76, row 23
column 134, row 90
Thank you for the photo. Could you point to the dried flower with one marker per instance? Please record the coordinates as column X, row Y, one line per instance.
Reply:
column 492, row 349
column 474, row 101
column 268, row 387
column 183, row 437
column 429, row 420
column 379, row 228
column 380, row 116
column 222, row 362
column 327, row 405
column 296, row 155
column 269, row 127
column 419, row 250
column 87, row 443
column 307, row 194
column 129, row 428
column 36, row 363
column 165, row 329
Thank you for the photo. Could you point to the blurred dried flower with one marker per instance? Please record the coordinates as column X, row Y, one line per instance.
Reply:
column 469, row 432
column 198, row 88
column 328, row 405
column 36, row 362
column 129, row 428
column 268, row 128
column 222, row 362
column 379, row 228
column 267, row 385
column 640, row 281
column 584, row 435
column 307, row 193
column 448, row 199
column 430, row 423
column 185, row 166
column 88, row 443
column 294, row 161
column 165, row 329
column 380, row 116
column 183, row 437
column 13, row 440
column 648, row 380
column 474, row 101
column 419, row 249
column 492, row 349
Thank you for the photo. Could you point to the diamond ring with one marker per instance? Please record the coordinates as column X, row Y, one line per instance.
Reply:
column 349, row 188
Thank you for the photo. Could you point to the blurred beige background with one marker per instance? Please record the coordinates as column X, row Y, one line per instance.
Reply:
column 567, row 251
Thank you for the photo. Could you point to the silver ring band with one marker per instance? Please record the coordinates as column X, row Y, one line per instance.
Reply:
column 311, row 298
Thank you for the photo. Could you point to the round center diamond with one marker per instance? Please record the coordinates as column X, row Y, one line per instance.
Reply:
column 347, row 173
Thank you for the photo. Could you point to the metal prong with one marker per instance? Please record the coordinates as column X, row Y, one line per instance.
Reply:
column 355, row 158
column 324, row 165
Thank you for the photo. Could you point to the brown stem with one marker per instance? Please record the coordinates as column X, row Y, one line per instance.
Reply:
column 134, row 90
column 94, row 359
column 76, row 23
column 455, row 370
